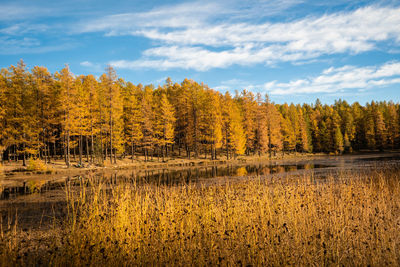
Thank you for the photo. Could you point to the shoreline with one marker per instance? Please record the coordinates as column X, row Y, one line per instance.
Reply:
column 15, row 174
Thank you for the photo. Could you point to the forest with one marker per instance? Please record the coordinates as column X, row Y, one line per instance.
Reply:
column 61, row 115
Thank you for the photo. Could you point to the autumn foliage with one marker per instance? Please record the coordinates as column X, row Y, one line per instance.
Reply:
column 62, row 115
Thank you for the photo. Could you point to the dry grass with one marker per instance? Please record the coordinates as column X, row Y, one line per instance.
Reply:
column 344, row 220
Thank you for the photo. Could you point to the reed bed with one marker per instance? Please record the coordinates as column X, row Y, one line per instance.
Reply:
column 346, row 219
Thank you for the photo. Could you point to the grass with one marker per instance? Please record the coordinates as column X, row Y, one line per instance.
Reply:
column 348, row 219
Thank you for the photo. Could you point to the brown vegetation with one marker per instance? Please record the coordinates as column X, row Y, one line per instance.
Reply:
column 346, row 219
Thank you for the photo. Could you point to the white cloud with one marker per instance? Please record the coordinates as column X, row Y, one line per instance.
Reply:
column 87, row 64
column 11, row 12
column 208, row 35
column 93, row 66
column 341, row 79
column 23, row 28
column 28, row 45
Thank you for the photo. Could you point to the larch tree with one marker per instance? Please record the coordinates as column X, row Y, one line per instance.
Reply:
column 273, row 127
column 113, row 109
column 288, row 127
column 42, row 114
column 248, row 108
column 81, row 116
column 391, row 119
column 233, row 133
column 19, row 119
column 91, row 86
column 3, row 99
column 43, row 86
column 166, row 122
column 380, row 130
column 132, row 118
column 66, row 83
column 147, row 124
column 213, row 122
column 303, row 143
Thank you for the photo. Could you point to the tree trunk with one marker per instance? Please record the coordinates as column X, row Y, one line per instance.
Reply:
column 111, row 125
column 80, row 149
column 47, row 147
column 92, row 147
column 24, row 157
column 105, row 151
column 74, row 153
column 111, row 145
column 54, row 150
column 87, row 148
column 68, row 154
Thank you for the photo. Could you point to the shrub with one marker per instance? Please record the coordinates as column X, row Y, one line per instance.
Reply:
column 37, row 165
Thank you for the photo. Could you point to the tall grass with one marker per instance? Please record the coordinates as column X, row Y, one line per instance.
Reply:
column 343, row 220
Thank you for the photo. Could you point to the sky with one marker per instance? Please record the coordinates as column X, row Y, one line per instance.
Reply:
column 293, row 50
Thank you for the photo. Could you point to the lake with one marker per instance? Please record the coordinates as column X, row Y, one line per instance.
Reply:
column 16, row 187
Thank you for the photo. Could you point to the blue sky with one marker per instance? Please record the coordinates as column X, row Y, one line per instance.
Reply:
column 294, row 50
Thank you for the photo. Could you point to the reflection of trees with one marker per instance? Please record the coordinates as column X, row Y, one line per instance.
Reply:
column 241, row 171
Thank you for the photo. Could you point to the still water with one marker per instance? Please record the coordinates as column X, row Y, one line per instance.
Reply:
column 197, row 174
column 158, row 176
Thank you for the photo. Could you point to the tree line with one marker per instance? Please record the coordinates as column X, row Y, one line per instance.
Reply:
column 60, row 115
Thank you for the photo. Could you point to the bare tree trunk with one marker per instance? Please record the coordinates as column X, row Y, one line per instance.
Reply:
column 23, row 159
column 48, row 151
column 87, row 148
column 105, row 150
column 54, row 150
column 111, row 127
column 68, row 160
column 74, row 153
column 91, row 147
column 80, row 149
column 111, row 144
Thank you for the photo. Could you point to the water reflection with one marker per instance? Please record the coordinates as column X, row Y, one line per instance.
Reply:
column 160, row 176
column 195, row 174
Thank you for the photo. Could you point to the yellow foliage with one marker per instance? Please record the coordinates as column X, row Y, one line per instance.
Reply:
column 241, row 171
column 37, row 165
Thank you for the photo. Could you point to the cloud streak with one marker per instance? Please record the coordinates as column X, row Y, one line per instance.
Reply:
column 203, row 36
column 12, row 12
column 341, row 79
